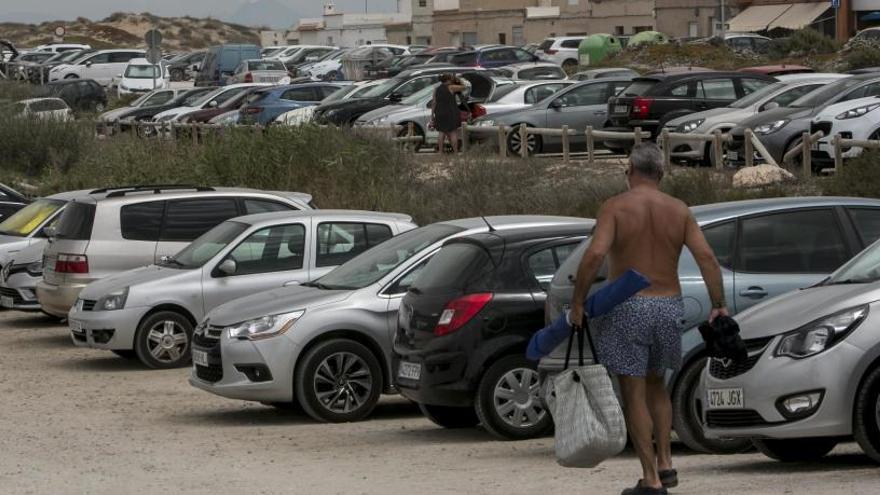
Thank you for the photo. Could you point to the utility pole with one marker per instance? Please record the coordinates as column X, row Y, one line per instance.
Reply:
column 723, row 20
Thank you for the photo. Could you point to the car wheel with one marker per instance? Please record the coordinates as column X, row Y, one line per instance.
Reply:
column 533, row 142
column 508, row 400
column 867, row 415
column 417, row 132
column 163, row 340
column 686, row 416
column 450, row 417
column 99, row 107
column 338, row 380
column 176, row 75
column 796, row 449
column 570, row 66
column 125, row 353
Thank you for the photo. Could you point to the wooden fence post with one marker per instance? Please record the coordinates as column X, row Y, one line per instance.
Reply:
column 806, row 158
column 591, row 145
column 195, row 134
column 565, row 145
column 749, row 153
column 502, row 141
column 638, row 136
column 523, row 141
column 718, row 149
column 667, row 153
column 838, row 154
column 465, row 138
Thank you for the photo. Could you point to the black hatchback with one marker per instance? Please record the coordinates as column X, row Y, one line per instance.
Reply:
column 464, row 324
column 80, row 94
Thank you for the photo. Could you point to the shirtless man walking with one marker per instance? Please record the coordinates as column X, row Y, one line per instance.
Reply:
column 645, row 229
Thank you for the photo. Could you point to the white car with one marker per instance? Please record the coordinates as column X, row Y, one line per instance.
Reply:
column 522, row 95
column 140, row 76
column 304, row 115
column 562, row 51
column 210, row 100
column 62, row 47
column 102, row 66
column 42, row 108
column 853, row 119
column 296, row 54
column 532, row 71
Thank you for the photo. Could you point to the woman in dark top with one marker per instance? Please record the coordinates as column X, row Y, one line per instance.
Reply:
column 445, row 114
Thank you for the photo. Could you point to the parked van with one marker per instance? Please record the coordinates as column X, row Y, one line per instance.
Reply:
column 221, row 61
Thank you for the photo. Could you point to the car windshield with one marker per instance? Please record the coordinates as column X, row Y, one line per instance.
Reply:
column 191, row 97
column 756, row 96
column 268, row 52
column 141, row 72
column 420, row 95
column 207, row 246
column 381, row 89
column 266, row 65
column 863, row 269
column 816, row 98
column 370, row 266
column 340, row 93
column 26, row 220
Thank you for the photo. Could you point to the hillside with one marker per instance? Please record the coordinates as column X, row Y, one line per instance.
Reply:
column 127, row 30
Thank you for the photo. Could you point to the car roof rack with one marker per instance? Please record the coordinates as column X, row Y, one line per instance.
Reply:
column 115, row 192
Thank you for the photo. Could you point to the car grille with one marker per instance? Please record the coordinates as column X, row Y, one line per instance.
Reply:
column 7, row 292
column 755, row 348
column 88, row 304
column 825, row 127
column 213, row 373
column 207, row 337
column 734, row 418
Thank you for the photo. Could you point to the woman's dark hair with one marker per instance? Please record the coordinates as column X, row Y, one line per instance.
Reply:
column 445, row 78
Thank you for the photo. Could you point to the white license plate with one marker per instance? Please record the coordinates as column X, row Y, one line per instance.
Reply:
column 410, row 371
column 725, row 398
column 76, row 326
column 733, row 155
column 621, row 109
column 5, row 302
column 200, row 357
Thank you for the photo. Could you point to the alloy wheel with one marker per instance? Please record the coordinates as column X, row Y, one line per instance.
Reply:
column 343, row 382
column 516, row 142
column 517, row 398
column 167, row 341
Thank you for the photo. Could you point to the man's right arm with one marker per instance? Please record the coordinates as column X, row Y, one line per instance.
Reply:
column 709, row 267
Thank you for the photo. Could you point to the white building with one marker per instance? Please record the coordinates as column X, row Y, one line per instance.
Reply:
column 348, row 30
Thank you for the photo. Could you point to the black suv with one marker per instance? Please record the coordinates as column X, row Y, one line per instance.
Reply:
column 464, row 324
column 79, row 94
column 650, row 101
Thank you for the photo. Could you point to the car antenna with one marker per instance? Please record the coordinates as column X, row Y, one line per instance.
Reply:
column 491, row 228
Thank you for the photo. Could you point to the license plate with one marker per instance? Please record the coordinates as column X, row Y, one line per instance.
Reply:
column 410, row 371
column 733, row 155
column 621, row 109
column 76, row 326
column 200, row 357
column 6, row 302
column 726, row 398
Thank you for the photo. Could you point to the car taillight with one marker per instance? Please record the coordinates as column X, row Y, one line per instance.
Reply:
column 551, row 52
column 72, row 263
column 641, row 107
column 252, row 110
column 460, row 311
column 248, row 78
column 478, row 111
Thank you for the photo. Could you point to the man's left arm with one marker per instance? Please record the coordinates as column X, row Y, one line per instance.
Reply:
column 600, row 244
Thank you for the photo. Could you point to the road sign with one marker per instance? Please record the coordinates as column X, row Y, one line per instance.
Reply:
column 154, row 55
column 153, row 38
column 835, row 4
column 60, row 31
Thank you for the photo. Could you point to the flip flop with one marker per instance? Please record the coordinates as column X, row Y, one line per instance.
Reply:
column 644, row 490
column 669, row 478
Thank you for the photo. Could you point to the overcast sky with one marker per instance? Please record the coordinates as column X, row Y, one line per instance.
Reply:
column 43, row 10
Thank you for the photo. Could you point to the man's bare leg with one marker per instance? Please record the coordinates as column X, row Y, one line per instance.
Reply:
column 660, row 407
column 640, row 426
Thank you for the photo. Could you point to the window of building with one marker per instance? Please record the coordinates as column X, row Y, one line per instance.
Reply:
column 618, row 30
column 469, row 38
column 423, row 3
column 502, row 38
column 639, row 29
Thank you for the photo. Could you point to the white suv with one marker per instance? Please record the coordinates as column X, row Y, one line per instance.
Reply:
column 562, row 50
column 102, row 66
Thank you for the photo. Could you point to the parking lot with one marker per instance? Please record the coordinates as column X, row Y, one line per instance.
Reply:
column 82, row 421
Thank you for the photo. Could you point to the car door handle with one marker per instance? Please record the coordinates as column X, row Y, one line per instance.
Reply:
column 292, row 283
column 753, row 292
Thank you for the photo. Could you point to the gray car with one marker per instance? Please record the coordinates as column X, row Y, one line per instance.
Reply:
column 812, row 377
column 150, row 312
column 766, row 248
column 577, row 106
column 326, row 345
column 781, row 129
column 776, row 95
column 19, row 274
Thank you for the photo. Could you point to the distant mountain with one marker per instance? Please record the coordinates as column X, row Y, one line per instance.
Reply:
column 269, row 13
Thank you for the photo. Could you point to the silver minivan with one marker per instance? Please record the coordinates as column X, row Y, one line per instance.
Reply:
column 150, row 312
column 108, row 231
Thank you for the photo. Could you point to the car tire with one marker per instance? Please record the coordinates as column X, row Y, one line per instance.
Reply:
column 570, row 66
column 99, row 107
column 533, row 141
column 796, row 449
column 163, row 340
column 176, row 75
column 450, row 417
column 417, row 132
column 686, row 419
column 866, row 417
column 508, row 400
column 125, row 353
column 318, row 378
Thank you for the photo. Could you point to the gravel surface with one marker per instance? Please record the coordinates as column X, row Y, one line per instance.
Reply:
column 84, row 421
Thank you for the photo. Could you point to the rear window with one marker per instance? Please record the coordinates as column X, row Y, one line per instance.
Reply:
column 545, row 45
column 571, row 43
column 453, row 268
column 266, row 65
column 76, row 222
column 464, row 59
column 639, row 87
column 502, row 91
column 542, row 73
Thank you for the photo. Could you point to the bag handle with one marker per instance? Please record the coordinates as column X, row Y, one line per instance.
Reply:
column 580, row 331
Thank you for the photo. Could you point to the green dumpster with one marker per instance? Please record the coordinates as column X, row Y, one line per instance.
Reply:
column 648, row 38
column 596, row 47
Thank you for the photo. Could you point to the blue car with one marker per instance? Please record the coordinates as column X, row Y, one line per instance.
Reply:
column 264, row 105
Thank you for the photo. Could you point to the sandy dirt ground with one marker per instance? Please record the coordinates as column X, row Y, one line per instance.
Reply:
column 76, row 421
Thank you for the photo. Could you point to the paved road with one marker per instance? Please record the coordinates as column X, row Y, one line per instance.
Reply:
column 83, row 421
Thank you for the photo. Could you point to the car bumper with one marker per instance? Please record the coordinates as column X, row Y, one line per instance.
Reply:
column 829, row 372
column 441, row 381
column 19, row 292
column 231, row 360
column 109, row 330
column 824, row 149
column 57, row 300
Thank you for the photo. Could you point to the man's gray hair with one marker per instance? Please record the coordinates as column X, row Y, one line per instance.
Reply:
column 646, row 159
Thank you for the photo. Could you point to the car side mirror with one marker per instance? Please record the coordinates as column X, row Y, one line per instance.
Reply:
column 228, row 267
column 556, row 104
column 770, row 106
column 89, row 63
column 212, row 104
column 50, row 231
column 395, row 97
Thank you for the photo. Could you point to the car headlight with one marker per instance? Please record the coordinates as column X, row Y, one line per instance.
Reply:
column 113, row 301
column 35, row 269
column 820, row 335
column 857, row 112
column 689, row 126
column 265, row 327
column 770, row 128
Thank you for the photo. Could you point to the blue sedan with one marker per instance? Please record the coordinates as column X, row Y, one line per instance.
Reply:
column 264, row 105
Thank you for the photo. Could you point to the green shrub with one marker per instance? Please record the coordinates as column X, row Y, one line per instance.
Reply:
column 861, row 57
column 858, row 177
column 806, row 41
column 30, row 145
